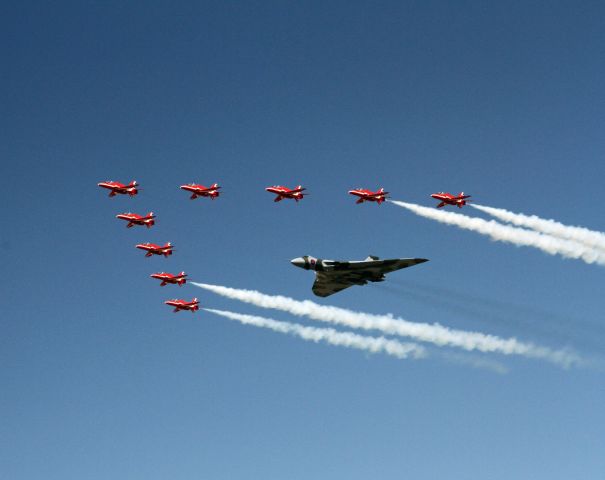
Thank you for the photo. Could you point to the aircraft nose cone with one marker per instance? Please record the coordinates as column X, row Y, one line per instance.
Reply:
column 298, row 262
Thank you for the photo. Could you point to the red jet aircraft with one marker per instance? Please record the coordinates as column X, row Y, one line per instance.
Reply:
column 201, row 191
column 117, row 187
column 285, row 192
column 135, row 219
column 449, row 199
column 179, row 304
column 369, row 196
column 170, row 278
column 153, row 249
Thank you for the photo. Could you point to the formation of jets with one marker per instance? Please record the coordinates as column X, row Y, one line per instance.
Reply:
column 331, row 276
column 281, row 192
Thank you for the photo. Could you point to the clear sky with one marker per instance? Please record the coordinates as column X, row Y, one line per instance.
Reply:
column 101, row 380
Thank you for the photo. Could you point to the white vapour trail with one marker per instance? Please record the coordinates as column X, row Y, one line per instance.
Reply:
column 507, row 233
column 585, row 236
column 431, row 333
column 329, row 335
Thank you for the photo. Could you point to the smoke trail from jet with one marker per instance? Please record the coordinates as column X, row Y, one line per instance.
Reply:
column 509, row 234
column 329, row 335
column 585, row 236
column 431, row 333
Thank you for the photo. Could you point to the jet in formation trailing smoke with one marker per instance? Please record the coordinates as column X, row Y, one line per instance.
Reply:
column 285, row 192
column 153, row 249
column 135, row 219
column 119, row 188
column 332, row 276
column 369, row 196
column 449, row 199
column 201, row 191
column 180, row 304
column 179, row 279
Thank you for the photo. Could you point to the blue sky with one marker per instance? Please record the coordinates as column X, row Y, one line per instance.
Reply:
column 101, row 380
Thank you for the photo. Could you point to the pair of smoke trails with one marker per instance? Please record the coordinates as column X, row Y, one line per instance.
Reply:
column 429, row 333
column 352, row 340
column 330, row 335
column 510, row 234
column 584, row 236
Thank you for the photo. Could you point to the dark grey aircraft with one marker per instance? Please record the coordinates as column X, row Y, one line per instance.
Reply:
column 332, row 276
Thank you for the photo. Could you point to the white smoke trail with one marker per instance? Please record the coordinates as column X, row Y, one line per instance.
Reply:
column 506, row 233
column 432, row 333
column 329, row 335
column 585, row 236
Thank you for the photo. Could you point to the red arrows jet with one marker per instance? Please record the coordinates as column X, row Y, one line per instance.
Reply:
column 369, row 196
column 449, row 199
column 201, row 191
column 135, row 219
column 170, row 278
column 179, row 304
column 285, row 192
column 117, row 187
column 153, row 249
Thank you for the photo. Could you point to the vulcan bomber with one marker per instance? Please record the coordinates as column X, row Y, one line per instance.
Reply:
column 332, row 276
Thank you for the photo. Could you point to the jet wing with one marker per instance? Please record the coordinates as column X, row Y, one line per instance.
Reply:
column 327, row 284
column 346, row 274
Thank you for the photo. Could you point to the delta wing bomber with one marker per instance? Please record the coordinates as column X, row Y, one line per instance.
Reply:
column 332, row 276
